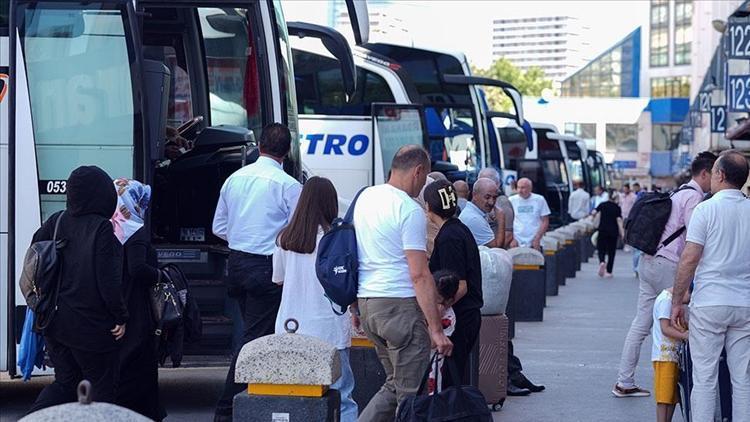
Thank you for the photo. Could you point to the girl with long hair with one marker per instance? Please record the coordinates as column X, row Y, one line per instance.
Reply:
column 302, row 297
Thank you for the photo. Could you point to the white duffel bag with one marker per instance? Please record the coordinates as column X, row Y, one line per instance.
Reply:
column 497, row 272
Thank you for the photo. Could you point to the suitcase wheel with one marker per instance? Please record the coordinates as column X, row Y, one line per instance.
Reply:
column 498, row 406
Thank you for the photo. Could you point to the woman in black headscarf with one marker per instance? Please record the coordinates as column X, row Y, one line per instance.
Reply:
column 82, row 338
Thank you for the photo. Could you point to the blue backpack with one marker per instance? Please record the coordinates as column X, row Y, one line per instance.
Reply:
column 337, row 263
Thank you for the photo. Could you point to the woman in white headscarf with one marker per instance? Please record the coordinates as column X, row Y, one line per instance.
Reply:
column 138, row 388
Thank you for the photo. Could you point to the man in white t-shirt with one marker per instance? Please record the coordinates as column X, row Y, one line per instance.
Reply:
column 715, row 258
column 531, row 216
column 397, row 295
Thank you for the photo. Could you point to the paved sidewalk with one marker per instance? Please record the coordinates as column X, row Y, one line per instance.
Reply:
column 576, row 350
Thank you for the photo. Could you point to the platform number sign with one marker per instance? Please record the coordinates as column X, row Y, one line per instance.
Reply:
column 718, row 119
column 739, row 40
column 705, row 101
column 739, row 93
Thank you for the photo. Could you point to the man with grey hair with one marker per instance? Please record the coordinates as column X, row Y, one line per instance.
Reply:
column 474, row 217
column 462, row 191
column 715, row 259
column 502, row 203
column 532, row 216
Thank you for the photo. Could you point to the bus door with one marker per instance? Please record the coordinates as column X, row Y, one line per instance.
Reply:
column 74, row 99
column 556, row 186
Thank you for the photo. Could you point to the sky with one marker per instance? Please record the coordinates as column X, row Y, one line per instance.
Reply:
column 467, row 25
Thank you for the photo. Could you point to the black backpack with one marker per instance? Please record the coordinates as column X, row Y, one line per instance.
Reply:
column 647, row 220
column 337, row 263
column 41, row 276
column 178, row 322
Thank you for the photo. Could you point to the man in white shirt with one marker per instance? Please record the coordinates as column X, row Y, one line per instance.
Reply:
column 716, row 258
column 255, row 203
column 531, row 216
column 474, row 215
column 578, row 203
column 397, row 295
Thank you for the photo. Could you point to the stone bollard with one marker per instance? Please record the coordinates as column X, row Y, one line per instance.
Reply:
column 582, row 241
column 85, row 411
column 288, row 377
column 574, row 233
column 591, row 228
column 551, row 273
column 369, row 374
column 527, row 298
column 560, row 254
column 569, row 254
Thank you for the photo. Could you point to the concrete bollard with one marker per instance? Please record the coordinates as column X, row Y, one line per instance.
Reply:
column 560, row 254
column 551, row 273
column 582, row 240
column 568, row 252
column 288, row 377
column 573, row 232
column 369, row 374
column 527, row 298
column 85, row 411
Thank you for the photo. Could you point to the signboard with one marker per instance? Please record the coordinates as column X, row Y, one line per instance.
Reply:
column 624, row 164
column 739, row 93
column 696, row 118
column 704, row 101
column 718, row 119
column 686, row 135
column 739, row 40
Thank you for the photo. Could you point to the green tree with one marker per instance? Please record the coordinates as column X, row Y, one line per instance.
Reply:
column 531, row 82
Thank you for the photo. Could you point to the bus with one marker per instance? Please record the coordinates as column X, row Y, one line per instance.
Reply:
column 99, row 83
column 414, row 95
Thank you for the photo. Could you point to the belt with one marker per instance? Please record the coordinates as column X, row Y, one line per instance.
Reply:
column 250, row 255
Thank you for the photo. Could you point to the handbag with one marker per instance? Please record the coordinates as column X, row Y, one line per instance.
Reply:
column 457, row 403
column 166, row 307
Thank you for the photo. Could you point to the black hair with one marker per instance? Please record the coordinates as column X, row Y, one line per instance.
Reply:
column 446, row 283
column 703, row 161
column 636, row 184
column 275, row 140
column 409, row 157
column 441, row 198
column 735, row 167
column 626, row 185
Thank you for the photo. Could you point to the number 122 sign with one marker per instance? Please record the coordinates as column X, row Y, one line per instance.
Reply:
column 739, row 93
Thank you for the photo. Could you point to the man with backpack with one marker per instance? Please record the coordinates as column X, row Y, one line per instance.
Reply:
column 397, row 294
column 661, row 253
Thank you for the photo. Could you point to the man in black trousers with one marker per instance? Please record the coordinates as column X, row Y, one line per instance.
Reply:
column 255, row 203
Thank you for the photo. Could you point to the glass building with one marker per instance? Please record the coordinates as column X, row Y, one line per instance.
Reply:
column 614, row 73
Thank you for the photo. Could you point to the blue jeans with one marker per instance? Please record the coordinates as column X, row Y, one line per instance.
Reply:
column 345, row 387
column 636, row 259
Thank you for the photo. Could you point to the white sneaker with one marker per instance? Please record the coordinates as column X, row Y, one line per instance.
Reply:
column 602, row 269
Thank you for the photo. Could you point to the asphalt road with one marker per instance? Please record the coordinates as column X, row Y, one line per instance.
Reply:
column 574, row 352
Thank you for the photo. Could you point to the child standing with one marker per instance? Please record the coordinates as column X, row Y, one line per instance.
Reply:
column 667, row 340
column 447, row 286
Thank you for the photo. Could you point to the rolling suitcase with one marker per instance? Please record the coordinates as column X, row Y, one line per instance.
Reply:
column 685, row 384
column 493, row 359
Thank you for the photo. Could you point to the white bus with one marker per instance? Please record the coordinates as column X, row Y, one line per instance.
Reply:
column 98, row 83
column 412, row 95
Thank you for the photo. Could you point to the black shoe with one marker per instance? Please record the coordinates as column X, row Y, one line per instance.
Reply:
column 520, row 380
column 517, row 391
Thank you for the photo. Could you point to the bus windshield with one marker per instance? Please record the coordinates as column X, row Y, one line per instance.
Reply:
column 78, row 60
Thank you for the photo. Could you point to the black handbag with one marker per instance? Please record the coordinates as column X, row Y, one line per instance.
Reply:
column 458, row 403
column 166, row 307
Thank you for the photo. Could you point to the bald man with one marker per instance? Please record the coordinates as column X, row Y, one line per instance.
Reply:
column 462, row 191
column 474, row 216
column 531, row 216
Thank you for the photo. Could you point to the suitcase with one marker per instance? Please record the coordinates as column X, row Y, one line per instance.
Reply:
column 493, row 359
column 685, row 385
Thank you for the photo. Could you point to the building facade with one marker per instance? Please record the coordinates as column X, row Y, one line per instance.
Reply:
column 553, row 43
column 671, row 52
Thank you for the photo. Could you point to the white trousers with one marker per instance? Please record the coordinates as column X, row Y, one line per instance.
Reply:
column 711, row 329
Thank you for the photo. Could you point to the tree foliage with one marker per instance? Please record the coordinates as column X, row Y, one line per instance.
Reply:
column 531, row 82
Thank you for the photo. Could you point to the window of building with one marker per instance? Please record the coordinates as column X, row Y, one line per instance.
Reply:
column 683, row 31
column 659, row 41
column 622, row 137
column 665, row 137
column 581, row 130
column 671, row 87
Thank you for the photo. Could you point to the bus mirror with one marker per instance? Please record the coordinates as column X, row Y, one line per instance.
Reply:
column 396, row 125
column 57, row 23
column 360, row 19
column 517, row 100
column 227, row 24
column 336, row 44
